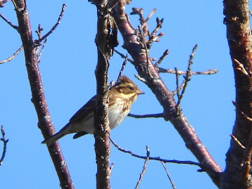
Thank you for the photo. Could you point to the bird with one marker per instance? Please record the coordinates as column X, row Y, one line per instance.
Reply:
column 121, row 96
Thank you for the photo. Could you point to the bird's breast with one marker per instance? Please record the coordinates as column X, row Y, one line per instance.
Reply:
column 117, row 113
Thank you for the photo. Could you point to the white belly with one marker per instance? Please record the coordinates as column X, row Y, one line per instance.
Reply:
column 115, row 115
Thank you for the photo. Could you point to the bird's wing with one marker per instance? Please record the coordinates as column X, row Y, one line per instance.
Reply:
column 84, row 111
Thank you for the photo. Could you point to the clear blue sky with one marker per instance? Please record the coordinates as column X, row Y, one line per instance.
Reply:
column 67, row 68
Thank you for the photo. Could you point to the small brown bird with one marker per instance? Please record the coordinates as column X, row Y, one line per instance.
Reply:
column 121, row 96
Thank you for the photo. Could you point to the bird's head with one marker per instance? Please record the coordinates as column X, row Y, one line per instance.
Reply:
column 126, row 89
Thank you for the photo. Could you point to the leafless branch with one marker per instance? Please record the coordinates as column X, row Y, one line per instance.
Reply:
column 162, row 58
column 144, row 25
column 155, row 158
column 207, row 72
column 237, row 141
column 177, row 91
column 147, row 115
column 13, row 56
column 140, row 78
column 2, row 3
column 8, row 22
column 187, row 77
column 123, row 66
column 5, row 141
column 150, row 15
column 148, row 72
column 144, row 167
column 241, row 68
column 17, row 8
column 123, row 56
column 111, row 166
column 248, row 149
column 37, row 92
column 54, row 27
column 178, row 88
column 242, row 113
column 142, row 41
column 168, row 175
column 41, row 50
column 152, row 36
column 39, row 32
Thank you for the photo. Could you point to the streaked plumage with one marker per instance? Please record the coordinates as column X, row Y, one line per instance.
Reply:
column 121, row 96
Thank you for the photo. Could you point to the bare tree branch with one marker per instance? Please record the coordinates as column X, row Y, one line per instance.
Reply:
column 207, row 72
column 38, row 97
column 144, row 167
column 13, row 56
column 123, row 66
column 5, row 141
column 8, row 22
column 105, row 42
column 238, row 160
column 148, row 72
column 2, row 3
column 168, row 175
column 155, row 158
column 237, row 141
column 123, row 56
column 54, row 27
column 160, row 115
column 162, row 58
column 187, row 79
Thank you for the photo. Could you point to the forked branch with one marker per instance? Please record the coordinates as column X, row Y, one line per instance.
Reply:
column 133, row 43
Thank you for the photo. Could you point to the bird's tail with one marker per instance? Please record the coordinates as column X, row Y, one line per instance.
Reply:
column 57, row 136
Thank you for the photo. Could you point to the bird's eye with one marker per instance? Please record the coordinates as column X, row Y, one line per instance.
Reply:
column 131, row 88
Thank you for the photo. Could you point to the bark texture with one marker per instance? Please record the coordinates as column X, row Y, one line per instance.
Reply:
column 238, row 159
column 37, row 90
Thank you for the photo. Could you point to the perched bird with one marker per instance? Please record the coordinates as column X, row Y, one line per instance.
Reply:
column 121, row 96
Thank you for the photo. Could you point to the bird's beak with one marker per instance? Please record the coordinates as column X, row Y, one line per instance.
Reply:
column 139, row 92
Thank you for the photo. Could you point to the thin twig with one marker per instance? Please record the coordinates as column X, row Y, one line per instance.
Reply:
column 162, row 58
column 41, row 50
column 178, row 89
column 54, row 27
column 39, row 31
column 168, row 175
column 143, row 43
column 123, row 66
column 242, row 113
column 111, row 166
column 146, row 115
column 152, row 36
column 123, row 56
column 187, row 76
column 155, row 158
column 241, row 68
column 140, row 78
column 246, row 116
column 5, row 141
column 237, row 141
column 8, row 22
column 207, row 72
column 2, row 2
column 144, row 167
column 246, row 163
column 150, row 15
column 16, row 7
column 144, row 25
column 13, row 56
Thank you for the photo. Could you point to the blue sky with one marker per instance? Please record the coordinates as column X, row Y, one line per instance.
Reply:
column 67, row 68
